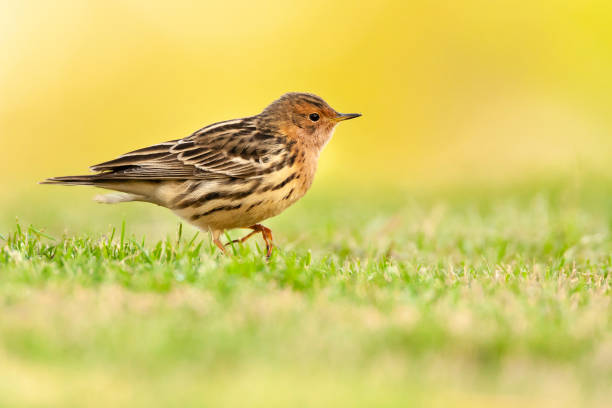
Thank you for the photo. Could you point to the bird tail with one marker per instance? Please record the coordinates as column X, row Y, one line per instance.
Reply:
column 127, row 190
column 73, row 180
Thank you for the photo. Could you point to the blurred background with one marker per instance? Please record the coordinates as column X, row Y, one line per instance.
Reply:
column 456, row 241
column 452, row 93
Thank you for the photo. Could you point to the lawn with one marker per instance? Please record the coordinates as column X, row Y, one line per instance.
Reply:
column 459, row 297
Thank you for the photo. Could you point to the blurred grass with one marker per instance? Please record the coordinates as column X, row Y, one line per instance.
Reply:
column 450, row 298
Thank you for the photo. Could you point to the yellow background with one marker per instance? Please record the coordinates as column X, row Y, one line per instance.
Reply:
column 451, row 91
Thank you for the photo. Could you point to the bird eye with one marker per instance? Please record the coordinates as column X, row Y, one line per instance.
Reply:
column 314, row 117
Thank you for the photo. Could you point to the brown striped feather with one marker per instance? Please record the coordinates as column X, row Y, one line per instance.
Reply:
column 219, row 150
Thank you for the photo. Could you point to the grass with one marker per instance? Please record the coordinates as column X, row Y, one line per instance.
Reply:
column 455, row 298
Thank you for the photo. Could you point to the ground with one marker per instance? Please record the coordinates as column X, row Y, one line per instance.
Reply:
column 455, row 297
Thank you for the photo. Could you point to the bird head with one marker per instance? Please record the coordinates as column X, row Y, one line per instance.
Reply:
column 304, row 117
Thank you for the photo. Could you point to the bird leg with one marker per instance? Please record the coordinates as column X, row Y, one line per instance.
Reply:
column 266, row 233
column 215, row 239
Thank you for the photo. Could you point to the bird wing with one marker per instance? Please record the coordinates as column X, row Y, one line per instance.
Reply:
column 234, row 148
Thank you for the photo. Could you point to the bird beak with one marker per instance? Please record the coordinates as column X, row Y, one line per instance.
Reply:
column 346, row 116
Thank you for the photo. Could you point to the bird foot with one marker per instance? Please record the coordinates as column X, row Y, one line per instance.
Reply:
column 266, row 233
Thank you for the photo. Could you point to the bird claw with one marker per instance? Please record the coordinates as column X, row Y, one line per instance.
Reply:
column 266, row 234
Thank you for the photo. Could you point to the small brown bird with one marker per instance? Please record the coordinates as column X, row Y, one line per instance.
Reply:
column 231, row 174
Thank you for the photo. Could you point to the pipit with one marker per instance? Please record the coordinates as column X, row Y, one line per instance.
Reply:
column 231, row 174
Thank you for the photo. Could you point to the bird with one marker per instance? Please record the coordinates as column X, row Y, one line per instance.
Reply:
column 227, row 175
